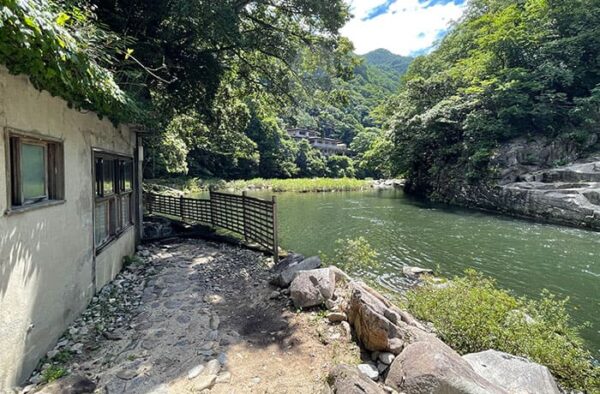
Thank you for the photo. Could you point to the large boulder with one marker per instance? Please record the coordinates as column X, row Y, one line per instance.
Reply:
column 432, row 367
column 344, row 379
column 312, row 288
column 515, row 374
column 378, row 324
column 286, row 270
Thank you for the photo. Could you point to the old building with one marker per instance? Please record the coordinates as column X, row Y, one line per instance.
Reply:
column 69, row 213
column 327, row 146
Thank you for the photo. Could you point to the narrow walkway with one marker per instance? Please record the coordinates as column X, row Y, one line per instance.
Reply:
column 195, row 310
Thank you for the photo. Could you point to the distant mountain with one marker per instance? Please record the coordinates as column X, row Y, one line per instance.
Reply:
column 387, row 60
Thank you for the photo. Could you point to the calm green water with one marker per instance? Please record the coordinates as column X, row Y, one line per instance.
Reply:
column 523, row 256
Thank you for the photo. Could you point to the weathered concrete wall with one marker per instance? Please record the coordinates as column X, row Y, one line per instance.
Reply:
column 46, row 254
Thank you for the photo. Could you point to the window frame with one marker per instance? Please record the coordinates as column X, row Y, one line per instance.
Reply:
column 114, row 198
column 54, row 169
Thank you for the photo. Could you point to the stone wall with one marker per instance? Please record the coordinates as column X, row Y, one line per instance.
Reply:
column 47, row 255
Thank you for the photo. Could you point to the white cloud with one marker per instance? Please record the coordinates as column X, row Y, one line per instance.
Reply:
column 407, row 27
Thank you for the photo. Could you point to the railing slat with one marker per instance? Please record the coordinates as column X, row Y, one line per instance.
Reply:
column 253, row 218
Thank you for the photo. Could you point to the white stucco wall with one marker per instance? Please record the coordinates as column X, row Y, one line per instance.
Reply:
column 46, row 254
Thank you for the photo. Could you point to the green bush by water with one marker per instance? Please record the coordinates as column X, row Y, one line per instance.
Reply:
column 471, row 314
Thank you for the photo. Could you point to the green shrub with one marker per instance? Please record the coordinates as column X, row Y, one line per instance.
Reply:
column 471, row 314
column 53, row 373
column 352, row 253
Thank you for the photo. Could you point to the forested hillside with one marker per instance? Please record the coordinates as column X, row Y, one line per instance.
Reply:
column 510, row 69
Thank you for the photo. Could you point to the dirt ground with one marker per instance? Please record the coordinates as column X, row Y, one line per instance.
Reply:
column 190, row 303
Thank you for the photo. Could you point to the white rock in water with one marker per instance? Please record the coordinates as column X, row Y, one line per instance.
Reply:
column 370, row 370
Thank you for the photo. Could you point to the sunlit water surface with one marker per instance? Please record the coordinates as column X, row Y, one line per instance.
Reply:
column 522, row 256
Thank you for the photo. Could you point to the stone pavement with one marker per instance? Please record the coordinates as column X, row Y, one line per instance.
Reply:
column 195, row 316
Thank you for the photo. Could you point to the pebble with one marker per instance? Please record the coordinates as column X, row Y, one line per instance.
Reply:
column 336, row 317
column 224, row 377
column 204, row 382
column 369, row 370
column 126, row 374
column 196, row 371
column 214, row 322
column 386, row 358
column 213, row 367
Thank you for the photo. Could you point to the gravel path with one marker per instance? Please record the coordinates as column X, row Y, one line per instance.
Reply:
column 191, row 317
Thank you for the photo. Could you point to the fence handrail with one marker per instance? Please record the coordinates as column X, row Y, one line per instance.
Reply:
column 253, row 218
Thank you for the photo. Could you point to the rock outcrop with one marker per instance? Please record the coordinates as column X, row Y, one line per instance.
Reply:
column 529, row 178
column 287, row 269
column 515, row 374
column 312, row 288
column 432, row 367
column 379, row 325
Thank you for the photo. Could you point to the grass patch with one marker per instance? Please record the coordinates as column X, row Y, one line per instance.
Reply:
column 191, row 186
column 472, row 314
column 53, row 372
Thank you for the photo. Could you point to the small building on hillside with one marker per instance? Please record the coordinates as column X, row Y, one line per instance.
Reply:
column 327, row 146
column 69, row 213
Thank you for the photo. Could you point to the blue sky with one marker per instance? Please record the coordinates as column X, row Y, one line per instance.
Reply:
column 405, row 27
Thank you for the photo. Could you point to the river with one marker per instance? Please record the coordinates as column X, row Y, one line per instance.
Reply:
column 522, row 256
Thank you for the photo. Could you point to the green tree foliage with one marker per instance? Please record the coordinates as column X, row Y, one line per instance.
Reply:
column 276, row 149
column 61, row 49
column 310, row 162
column 340, row 167
column 471, row 314
column 508, row 69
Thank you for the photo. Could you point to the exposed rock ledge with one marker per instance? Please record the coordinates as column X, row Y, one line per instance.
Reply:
column 531, row 181
column 406, row 356
column 568, row 195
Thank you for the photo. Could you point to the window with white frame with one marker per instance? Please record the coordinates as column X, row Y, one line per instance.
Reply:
column 36, row 170
column 113, row 196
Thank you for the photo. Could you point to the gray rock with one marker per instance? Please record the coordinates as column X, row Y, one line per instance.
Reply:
column 336, row 317
column 195, row 372
column 386, row 358
column 433, row 367
column 415, row 272
column 224, row 377
column 213, row 367
column 126, row 374
column 311, row 288
column 72, row 384
column 345, row 379
column 515, row 374
column 369, row 313
column 214, row 322
column 203, row 382
column 369, row 370
column 284, row 277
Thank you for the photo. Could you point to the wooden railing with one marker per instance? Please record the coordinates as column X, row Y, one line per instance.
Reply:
column 253, row 218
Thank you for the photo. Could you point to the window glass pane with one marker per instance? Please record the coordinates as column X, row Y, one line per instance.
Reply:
column 33, row 171
column 125, row 210
column 98, row 177
column 128, row 176
column 101, row 223
column 108, row 169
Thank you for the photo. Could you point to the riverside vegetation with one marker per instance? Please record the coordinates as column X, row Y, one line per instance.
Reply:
column 472, row 314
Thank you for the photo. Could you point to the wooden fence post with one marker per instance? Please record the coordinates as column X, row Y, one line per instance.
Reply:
column 244, row 219
column 275, row 240
column 181, row 208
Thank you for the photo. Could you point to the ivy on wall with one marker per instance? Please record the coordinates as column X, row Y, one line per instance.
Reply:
column 56, row 49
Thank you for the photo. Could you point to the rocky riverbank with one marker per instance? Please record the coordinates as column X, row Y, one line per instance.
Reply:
column 405, row 355
column 194, row 316
column 529, row 178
